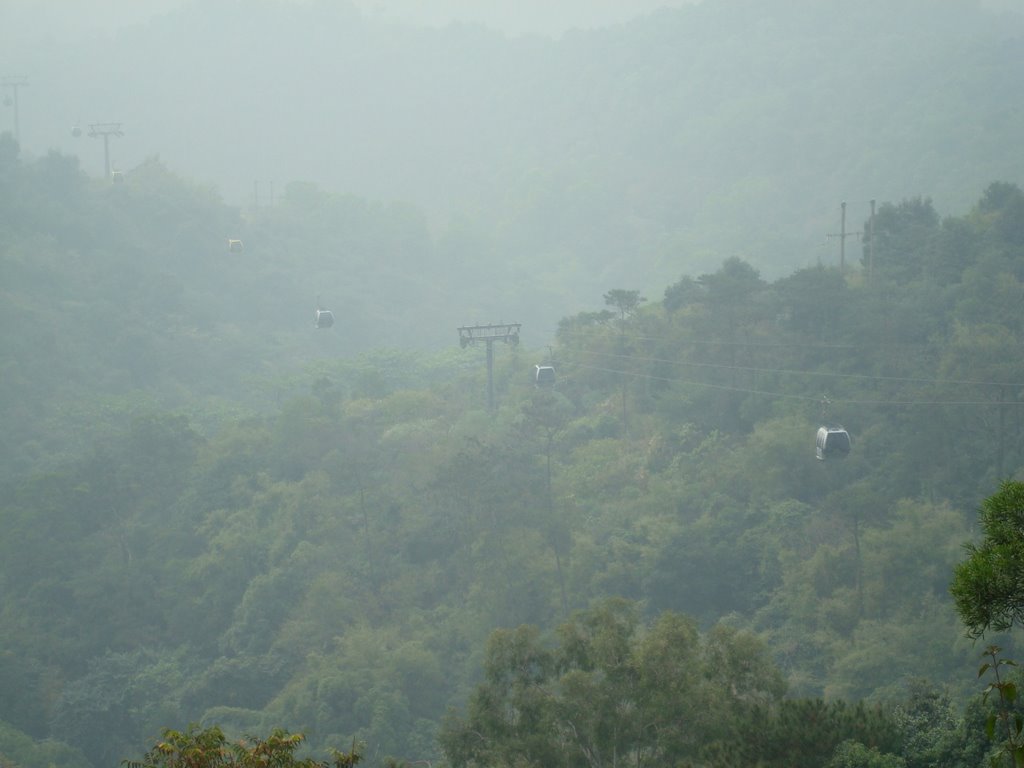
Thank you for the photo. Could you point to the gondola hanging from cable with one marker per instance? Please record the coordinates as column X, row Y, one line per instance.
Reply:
column 832, row 441
column 544, row 376
column 322, row 318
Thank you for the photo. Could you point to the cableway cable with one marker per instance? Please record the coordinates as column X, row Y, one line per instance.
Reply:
column 792, row 372
column 791, row 396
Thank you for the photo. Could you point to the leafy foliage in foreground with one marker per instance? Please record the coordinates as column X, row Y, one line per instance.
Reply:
column 209, row 748
column 987, row 586
column 613, row 690
column 987, row 590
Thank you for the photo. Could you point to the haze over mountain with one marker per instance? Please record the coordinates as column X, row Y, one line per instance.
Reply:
column 216, row 511
column 629, row 153
column 33, row 20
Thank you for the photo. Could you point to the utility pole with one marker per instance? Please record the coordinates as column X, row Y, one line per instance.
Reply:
column 13, row 83
column 871, row 242
column 842, row 234
column 106, row 130
column 488, row 334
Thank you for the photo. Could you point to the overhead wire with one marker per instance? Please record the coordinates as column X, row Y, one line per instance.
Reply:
column 798, row 345
column 797, row 372
column 791, row 396
column 925, row 347
column 803, row 344
column 802, row 373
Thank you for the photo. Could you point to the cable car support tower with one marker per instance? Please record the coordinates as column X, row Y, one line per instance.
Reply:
column 105, row 131
column 12, row 84
column 842, row 234
column 488, row 334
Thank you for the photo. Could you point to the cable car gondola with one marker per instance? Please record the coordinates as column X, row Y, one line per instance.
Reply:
column 235, row 246
column 544, row 375
column 323, row 318
column 832, row 442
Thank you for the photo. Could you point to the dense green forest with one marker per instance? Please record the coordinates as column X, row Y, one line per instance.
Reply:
column 214, row 512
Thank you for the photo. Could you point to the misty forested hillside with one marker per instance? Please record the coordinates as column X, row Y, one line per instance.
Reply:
column 686, row 136
column 214, row 512
column 122, row 296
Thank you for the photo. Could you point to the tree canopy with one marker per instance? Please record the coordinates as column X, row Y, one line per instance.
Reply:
column 988, row 586
column 213, row 512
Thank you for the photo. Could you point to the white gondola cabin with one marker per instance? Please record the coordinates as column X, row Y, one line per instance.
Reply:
column 544, row 375
column 235, row 246
column 323, row 318
column 832, row 442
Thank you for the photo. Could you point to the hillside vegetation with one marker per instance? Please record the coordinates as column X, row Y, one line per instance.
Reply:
column 214, row 512
column 730, row 127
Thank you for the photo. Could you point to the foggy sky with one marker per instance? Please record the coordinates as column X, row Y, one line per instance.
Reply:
column 24, row 21
column 223, row 96
column 517, row 17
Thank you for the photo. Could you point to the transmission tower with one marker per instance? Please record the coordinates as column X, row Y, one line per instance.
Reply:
column 842, row 234
column 106, row 130
column 488, row 334
column 871, row 242
column 13, row 84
